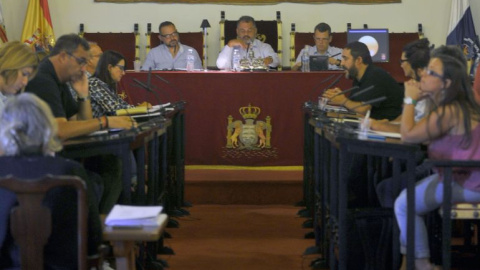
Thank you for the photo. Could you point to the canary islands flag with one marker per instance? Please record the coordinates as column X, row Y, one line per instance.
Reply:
column 3, row 33
column 37, row 28
column 462, row 32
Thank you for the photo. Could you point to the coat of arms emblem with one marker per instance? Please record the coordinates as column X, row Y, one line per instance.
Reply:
column 252, row 134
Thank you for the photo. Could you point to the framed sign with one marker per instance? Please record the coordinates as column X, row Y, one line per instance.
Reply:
column 254, row 1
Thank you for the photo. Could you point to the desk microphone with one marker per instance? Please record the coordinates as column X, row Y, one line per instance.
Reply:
column 320, row 83
column 362, row 91
column 147, row 88
column 167, row 82
column 333, row 83
column 368, row 102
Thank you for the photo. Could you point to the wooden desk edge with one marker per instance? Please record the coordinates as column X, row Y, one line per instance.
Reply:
column 147, row 233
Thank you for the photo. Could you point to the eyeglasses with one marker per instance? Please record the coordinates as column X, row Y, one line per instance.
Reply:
column 434, row 74
column 81, row 61
column 174, row 34
column 98, row 55
column 122, row 68
column 402, row 60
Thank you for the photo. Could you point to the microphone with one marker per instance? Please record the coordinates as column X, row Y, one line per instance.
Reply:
column 345, row 91
column 149, row 77
column 167, row 82
column 362, row 91
column 333, row 83
column 147, row 88
column 320, row 83
column 368, row 102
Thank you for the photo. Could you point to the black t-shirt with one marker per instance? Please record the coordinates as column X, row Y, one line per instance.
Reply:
column 56, row 94
column 384, row 85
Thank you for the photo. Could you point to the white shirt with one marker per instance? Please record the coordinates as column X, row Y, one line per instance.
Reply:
column 160, row 58
column 260, row 50
column 312, row 50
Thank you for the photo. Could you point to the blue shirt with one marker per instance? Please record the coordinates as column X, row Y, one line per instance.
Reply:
column 160, row 58
column 312, row 50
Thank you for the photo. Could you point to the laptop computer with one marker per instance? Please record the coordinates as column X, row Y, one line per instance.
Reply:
column 318, row 62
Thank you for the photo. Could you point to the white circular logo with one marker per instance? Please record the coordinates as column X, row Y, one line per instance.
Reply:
column 371, row 43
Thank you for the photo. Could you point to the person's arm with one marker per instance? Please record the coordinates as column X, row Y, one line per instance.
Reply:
column 103, row 100
column 69, row 129
column 224, row 60
column 427, row 128
column 269, row 55
column 298, row 62
column 342, row 100
column 80, row 85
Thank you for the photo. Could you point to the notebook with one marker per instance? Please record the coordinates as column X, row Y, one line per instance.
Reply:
column 318, row 62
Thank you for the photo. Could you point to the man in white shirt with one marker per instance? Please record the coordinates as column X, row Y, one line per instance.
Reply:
column 246, row 41
column 323, row 37
column 171, row 54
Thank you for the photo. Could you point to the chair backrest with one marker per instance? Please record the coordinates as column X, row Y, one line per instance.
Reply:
column 125, row 43
column 30, row 220
column 192, row 39
column 267, row 31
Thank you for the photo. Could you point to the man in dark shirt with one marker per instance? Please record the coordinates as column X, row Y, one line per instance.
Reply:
column 357, row 62
column 66, row 63
column 358, row 66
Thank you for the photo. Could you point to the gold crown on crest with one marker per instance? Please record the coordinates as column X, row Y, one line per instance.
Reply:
column 249, row 112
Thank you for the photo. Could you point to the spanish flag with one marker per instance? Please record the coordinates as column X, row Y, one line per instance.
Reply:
column 37, row 28
column 3, row 33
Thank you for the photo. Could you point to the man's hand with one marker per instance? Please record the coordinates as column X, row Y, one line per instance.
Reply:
column 80, row 85
column 123, row 122
column 331, row 94
column 267, row 60
column 297, row 66
column 237, row 42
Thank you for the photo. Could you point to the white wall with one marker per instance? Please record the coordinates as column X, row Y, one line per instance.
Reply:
column 111, row 17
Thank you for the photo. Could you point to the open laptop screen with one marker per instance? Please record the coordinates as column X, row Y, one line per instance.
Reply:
column 318, row 62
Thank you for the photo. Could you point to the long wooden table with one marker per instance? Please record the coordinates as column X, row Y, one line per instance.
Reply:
column 213, row 96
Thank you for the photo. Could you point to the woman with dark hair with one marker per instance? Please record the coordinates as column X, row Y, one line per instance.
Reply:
column 103, row 84
column 452, row 129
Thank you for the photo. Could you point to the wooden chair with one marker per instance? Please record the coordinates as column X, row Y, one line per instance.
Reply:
column 465, row 211
column 267, row 31
column 192, row 39
column 125, row 43
column 30, row 220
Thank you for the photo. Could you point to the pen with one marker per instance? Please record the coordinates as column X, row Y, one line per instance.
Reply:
column 336, row 55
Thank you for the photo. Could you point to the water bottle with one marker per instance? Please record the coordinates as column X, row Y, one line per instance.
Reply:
column 236, row 58
column 190, row 60
column 305, row 60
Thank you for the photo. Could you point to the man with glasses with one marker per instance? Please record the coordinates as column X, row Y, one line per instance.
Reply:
column 323, row 37
column 95, row 53
column 246, row 41
column 67, row 64
column 170, row 54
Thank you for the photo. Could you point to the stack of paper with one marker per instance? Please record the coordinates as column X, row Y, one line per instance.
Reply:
column 126, row 215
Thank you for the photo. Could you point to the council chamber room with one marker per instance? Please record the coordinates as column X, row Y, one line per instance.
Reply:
column 239, row 134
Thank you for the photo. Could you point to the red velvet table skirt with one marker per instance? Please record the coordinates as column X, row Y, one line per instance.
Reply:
column 276, row 100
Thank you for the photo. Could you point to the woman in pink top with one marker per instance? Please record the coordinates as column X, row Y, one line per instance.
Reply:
column 452, row 129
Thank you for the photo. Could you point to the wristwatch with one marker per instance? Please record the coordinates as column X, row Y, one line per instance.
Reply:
column 409, row 100
column 80, row 99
